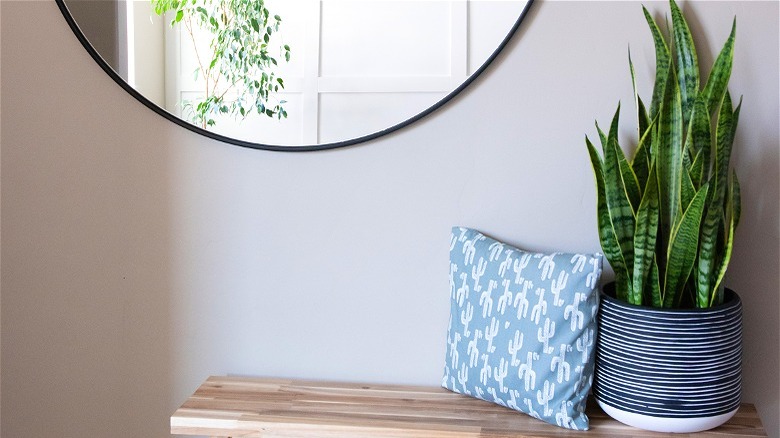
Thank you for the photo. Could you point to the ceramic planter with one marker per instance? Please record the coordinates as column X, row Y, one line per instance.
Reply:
column 669, row 370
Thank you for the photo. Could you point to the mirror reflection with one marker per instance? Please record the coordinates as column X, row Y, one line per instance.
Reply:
column 295, row 72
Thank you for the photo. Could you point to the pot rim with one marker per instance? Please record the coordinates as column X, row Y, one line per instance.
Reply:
column 731, row 299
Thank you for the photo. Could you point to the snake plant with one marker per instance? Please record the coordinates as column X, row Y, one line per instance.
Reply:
column 666, row 218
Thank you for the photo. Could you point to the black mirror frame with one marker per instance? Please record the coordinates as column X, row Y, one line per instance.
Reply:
column 317, row 147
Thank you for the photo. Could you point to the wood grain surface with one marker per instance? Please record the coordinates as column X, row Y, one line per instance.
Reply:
column 280, row 408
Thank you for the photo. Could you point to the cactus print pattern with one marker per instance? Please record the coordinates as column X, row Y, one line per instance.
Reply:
column 522, row 327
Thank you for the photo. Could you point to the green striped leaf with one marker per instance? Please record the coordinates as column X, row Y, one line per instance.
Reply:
column 687, row 190
column 669, row 156
column 699, row 140
column 697, row 170
column 645, row 237
column 687, row 61
column 613, row 127
column 602, row 138
column 643, row 121
column 607, row 236
column 713, row 220
column 716, row 296
column 721, row 72
column 734, row 208
column 642, row 157
column 682, row 249
column 654, row 285
column 621, row 213
column 629, row 178
column 724, row 136
column 662, row 64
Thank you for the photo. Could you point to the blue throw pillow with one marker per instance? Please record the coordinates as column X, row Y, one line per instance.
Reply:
column 522, row 327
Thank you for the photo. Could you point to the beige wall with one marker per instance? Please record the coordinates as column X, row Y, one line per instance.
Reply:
column 138, row 258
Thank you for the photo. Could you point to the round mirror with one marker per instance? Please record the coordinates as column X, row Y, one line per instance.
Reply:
column 294, row 75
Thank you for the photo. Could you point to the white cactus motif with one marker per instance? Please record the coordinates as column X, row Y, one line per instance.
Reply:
column 514, row 347
column 593, row 277
column 466, row 315
column 562, row 418
column 496, row 399
column 453, row 241
column 506, row 263
column 558, row 285
column 545, row 336
column 496, row 248
column 486, row 371
column 463, row 378
column 573, row 313
column 540, row 308
column 490, row 333
column 453, row 270
column 519, row 265
column 585, row 345
column 454, row 351
column 477, row 271
column 521, row 302
column 468, row 252
column 472, row 349
column 513, row 395
column 578, row 261
column 530, row 406
column 499, row 374
column 479, row 392
column 486, row 299
column 560, row 362
column 547, row 265
column 526, row 371
column 505, row 298
column 544, row 395
column 463, row 290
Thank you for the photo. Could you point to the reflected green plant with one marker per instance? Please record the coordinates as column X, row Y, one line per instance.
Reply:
column 237, row 70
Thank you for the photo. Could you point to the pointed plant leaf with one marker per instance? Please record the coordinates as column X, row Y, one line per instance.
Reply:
column 687, row 61
column 613, row 127
column 642, row 157
column 669, row 156
column 643, row 121
column 697, row 170
column 724, row 137
column 716, row 296
column 602, row 138
column 687, row 189
column 714, row 217
column 721, row 72
column 629, row 178
column 645, row 237
column 699, row 139
column 607, row 236
column 735, row 199
column 654, row 285
column 662, row 63
column 682, row 249
column 621, row 213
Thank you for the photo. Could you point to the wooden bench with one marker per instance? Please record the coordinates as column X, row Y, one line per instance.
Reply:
column 259, row 407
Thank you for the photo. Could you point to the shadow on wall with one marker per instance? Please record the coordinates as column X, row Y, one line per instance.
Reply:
column 86, row 238
column 757, row 253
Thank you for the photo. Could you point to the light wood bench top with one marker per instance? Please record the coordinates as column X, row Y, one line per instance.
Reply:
column 260, row 407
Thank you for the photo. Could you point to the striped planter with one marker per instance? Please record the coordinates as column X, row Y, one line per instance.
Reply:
column 669, row 370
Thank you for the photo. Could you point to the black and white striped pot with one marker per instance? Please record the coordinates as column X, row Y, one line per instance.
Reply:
column 669, row 370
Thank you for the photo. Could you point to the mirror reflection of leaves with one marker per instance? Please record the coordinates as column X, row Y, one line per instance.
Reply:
column 236, row 69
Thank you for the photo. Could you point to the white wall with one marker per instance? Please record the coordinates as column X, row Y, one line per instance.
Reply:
column 138, row 258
